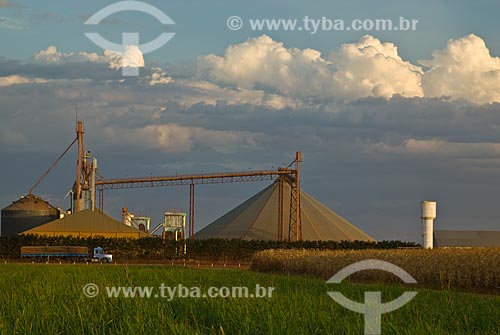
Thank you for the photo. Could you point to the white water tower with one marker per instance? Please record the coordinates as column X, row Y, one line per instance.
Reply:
column 428, row 216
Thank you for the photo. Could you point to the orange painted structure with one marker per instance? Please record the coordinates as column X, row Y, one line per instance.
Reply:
column 289, row 174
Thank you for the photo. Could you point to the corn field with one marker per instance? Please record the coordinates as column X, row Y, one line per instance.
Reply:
column 472, row 270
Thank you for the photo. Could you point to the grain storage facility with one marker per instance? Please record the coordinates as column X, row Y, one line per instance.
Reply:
column 87, row 223
column 257, row 219
column 28, row 212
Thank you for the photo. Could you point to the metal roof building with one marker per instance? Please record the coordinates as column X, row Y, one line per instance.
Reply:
column 466, row 238
column 87, row 223
column 257, row 218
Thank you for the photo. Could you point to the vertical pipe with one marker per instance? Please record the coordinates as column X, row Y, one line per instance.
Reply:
column 102, row 200
column 79, row 135
column 93, row 169
column 280, row 208
column 72, row 201
column 295, row 224
column 191, row 211
column 298, row 217
column 99, row 200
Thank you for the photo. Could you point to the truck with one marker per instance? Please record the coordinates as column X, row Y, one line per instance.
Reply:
column 66, row 252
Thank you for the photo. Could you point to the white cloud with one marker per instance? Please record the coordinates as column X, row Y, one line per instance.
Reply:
column 17, row 80
column 132, row 57
column 158, row 77
column 373, row 68
column 464, row 69
column 368, row 68
column 51, row 55
column 207, row 93
column 262, row 61
column 261, row 71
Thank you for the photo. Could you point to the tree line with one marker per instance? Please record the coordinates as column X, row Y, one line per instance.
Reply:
column 155, row 249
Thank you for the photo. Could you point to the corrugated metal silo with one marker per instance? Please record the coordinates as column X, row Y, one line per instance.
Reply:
column 26, row 213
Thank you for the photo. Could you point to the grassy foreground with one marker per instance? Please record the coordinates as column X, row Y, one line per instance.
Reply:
column 49, row 299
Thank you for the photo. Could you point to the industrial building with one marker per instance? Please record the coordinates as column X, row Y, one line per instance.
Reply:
column 453, row 238
column 256, row 219
column 282, row 211
column 466, row 238
column 87, row 223
column 141, row 223
column 32, row 215
column 85, row 217
column 173, row 226
column 28, row 212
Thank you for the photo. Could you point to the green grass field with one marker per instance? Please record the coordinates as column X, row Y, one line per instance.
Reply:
column 49, row 299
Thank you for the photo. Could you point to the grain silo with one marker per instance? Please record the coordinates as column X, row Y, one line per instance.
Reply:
column 257, row 218
column 26, row 213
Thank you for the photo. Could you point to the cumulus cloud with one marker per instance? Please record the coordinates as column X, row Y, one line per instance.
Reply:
column 264, row 62
column 367, row 68
column 158, row 77
column 464, row 69
column 52, row 56
column 131, row 57
column 17, row 80
column 264, row 72
column 373, row 68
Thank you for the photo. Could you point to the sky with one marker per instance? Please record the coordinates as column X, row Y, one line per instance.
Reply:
column 384, row 119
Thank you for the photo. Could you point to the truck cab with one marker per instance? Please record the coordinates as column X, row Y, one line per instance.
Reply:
column 100, row 256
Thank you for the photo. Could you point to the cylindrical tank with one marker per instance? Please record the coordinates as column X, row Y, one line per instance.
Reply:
column 26, row 213
column 428, row 216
